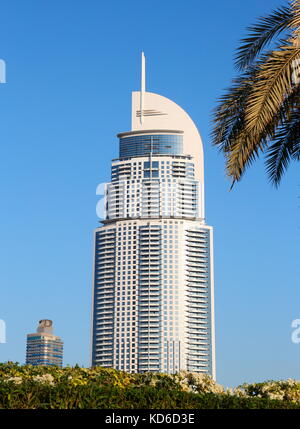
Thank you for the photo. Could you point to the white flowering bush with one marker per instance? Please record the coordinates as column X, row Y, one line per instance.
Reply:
column 197, row 383
column 44, row 379
column 14, row 380
column 283, row 390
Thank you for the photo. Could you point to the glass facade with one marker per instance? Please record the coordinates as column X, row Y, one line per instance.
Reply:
column 140, row 145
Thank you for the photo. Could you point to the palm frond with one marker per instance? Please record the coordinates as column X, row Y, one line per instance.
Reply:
column 261, row 34
column 241, row 148
column 246, row 147
column 227, row 116
column 272, row 86
column 295, row 10
column 262, row 105
column 285, row 148
column 241, row 155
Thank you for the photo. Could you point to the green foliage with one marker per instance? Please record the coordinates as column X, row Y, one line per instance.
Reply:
column 70, row 388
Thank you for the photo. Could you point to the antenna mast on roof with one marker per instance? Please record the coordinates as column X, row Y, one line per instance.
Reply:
column 143, row 86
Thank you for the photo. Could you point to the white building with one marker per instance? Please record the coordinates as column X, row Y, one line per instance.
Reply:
column 153, row 305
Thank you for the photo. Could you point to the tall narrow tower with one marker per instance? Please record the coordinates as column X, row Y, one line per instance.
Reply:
column 153, row 305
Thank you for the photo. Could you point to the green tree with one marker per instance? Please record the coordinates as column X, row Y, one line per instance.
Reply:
column 260, row 112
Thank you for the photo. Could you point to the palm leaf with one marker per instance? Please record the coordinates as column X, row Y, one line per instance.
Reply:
column 261, row 34
column 245, row 148
column 240, row 148
column 286, row 147
column 228, row 113
column 262, row 105
column 295, row 9
column 273, row 85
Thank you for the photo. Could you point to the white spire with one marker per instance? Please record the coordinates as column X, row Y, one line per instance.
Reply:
column 143, row 86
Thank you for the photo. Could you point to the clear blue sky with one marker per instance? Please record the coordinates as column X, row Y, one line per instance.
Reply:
column 71, row 67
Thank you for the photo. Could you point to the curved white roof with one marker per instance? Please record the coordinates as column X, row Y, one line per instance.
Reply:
column 160, row 113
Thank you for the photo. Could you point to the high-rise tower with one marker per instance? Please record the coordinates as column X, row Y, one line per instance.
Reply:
column 153, row 305
column 43, row 347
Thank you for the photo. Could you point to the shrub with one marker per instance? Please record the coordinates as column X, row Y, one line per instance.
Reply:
column 52, row 387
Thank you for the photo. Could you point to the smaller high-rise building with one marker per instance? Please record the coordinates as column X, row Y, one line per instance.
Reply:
column 43, row 347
